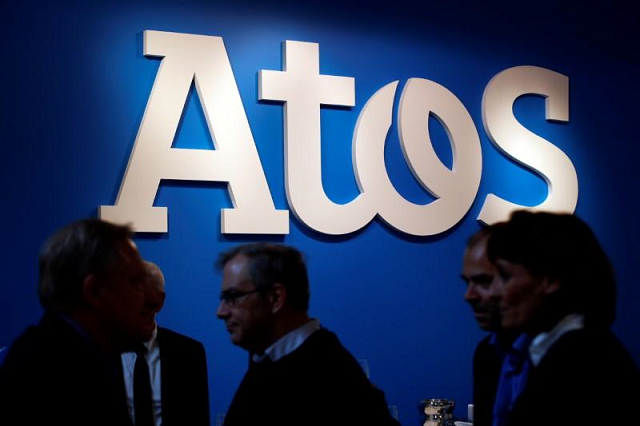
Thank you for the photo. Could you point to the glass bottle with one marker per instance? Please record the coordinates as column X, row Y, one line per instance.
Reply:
column 438, row 412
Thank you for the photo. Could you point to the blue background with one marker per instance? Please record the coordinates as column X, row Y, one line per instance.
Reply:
column 75, row 85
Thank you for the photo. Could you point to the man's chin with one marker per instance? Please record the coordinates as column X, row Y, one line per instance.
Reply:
column 132, row 344
column 487, row 325
column 483, row 321
column 145, row 334
column 236, row 340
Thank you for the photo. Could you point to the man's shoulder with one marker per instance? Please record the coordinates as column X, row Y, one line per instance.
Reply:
column 589, row 346
column 486, row 345
column 323, row 362
column 322, row 339
column 36, row 339
column 168, row 336
column 53, row 352
column 26, row 347
column 325, row 347
column 487, row 340
column 582, row 341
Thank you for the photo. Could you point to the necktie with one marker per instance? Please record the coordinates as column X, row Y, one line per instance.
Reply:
column 142, row 404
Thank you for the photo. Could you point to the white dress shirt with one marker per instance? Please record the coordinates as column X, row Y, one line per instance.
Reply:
column 289, row 342
column 543, row 341
column 153, row 361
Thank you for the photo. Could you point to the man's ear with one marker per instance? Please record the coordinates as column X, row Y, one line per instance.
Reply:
column 92, row 291
column 277, row 297
column 163, row 296
column 157, row 299
column 550, row 285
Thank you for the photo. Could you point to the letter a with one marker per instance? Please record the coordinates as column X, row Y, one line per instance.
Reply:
column 235, row 160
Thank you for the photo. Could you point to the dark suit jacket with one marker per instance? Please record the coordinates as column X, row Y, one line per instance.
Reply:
column 55, row 375
column 185, row 390
column 587, row 377
column 320, row 383
column 487, row 363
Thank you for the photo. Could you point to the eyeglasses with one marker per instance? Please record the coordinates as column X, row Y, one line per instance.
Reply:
column 231, row 297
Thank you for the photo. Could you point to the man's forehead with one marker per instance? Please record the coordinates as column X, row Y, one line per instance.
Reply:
column 236, row 272
column 477, row 250
column 237, row 264
column 477, row 266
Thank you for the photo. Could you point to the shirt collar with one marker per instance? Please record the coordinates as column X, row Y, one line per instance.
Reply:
column 522, row 343
column 502, row 343
column 543, row 341
column 153, row 341
column 76, row 327
column 289, row 342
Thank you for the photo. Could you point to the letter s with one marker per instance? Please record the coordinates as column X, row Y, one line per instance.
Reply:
column 525, row 147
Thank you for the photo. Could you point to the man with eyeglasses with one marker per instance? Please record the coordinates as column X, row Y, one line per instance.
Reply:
column 299, row 372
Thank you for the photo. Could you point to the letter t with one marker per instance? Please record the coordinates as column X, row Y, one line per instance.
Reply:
column 303, row 90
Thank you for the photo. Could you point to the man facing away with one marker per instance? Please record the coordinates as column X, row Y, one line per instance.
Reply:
column 177, row 370
column 66, row 370
column 299, row 372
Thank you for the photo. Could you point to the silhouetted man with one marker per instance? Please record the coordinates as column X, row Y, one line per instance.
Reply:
column 66, row 370
column 176, row 367
column 299, row 373
column 482, row 294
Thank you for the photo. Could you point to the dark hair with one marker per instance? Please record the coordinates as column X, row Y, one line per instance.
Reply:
column 271, row 263
column 85, row 247
column 562, row 247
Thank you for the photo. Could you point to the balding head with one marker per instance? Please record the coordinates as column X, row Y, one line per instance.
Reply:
column 155, row 280
column 155, row 275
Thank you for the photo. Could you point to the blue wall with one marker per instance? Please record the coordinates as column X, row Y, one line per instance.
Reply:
column 75, row 84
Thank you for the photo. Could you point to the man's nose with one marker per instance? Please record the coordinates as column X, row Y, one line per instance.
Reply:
column 470, row 294
column 222, row 312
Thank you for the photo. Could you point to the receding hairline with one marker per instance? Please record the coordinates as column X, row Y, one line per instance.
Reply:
column 479, row 237
column 155, row 273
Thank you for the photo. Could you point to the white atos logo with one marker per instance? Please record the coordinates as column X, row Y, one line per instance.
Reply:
column 303, row 90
